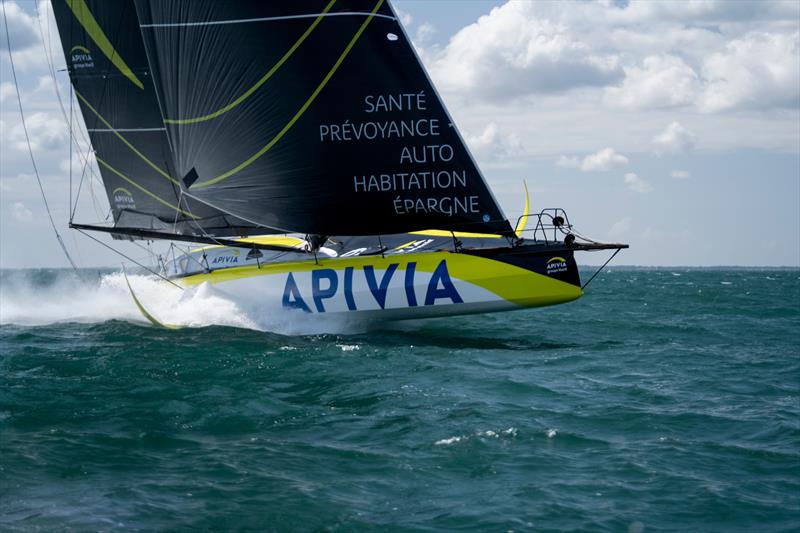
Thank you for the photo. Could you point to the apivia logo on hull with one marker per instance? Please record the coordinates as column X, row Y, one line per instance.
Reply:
column 231, row 257
column 556, row 265
column 325, row 284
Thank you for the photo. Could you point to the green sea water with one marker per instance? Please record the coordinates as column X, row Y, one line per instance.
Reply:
column 664, row 400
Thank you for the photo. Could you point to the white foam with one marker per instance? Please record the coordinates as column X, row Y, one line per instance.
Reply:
column 489, row 433
column 349, row 347
column 69, row 298
column 72, row 298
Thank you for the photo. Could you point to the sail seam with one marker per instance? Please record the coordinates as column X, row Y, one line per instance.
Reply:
column 260, row 82
column 300, row 112
column 266, row 19
column 125, row 130
column 124, row 140
column 93, row 29
column 143, row 189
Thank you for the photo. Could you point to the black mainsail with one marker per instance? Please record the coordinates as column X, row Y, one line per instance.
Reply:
column 313, row 117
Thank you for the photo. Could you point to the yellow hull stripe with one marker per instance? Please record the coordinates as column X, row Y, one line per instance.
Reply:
column 260, row 82
column 511, row 283
column 262, row 239
column 147, row 192
column 87, row 20
column 300, row 111
column 445, row 233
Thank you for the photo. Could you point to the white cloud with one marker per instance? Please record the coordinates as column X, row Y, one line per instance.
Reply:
column 704, row 55
column 46, row 133
column 425, row 31
column 760, row 70
column 674, row 139
column 661, row 82
column 601, row 161
column 621, row 228
column 6, row 90
column 492, row 143
column 568, row 161
column 84, row 162
column 637, row 184
column 405, row 18
column 517, row 50
column 680, row 174
column 22, row 28
column 706, row 11
column 21, row 213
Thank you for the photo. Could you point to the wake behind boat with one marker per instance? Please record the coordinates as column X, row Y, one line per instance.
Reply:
column 307, row 147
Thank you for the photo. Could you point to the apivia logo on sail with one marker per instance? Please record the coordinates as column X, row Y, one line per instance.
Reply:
column 325, row 286
column 123, row 198
column 81, row 57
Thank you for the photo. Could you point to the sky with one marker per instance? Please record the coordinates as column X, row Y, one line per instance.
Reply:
column 671, row 126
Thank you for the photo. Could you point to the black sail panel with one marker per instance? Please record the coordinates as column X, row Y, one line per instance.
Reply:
column 313, row 117
column 111, row 77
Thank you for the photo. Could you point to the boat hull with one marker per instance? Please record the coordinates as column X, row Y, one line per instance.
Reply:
column 402, row 286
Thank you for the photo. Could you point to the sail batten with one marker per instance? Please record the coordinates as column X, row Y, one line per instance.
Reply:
column 264, row 19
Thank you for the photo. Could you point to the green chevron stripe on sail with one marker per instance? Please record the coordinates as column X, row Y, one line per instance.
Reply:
column 302, row 109
column 263, row 79
column 93, row 29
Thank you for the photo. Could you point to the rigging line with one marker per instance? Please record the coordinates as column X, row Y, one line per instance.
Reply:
column 71, row 115
column 302, row 109
column 188, row 253
column 262, row 19
column 601, row 268
column 175, row 220
column 28, row 141
column 80, row 183
column 47, row 46
column 130, row 259
column 260, row 82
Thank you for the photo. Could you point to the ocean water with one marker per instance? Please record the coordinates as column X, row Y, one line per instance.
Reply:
column 664, row 400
